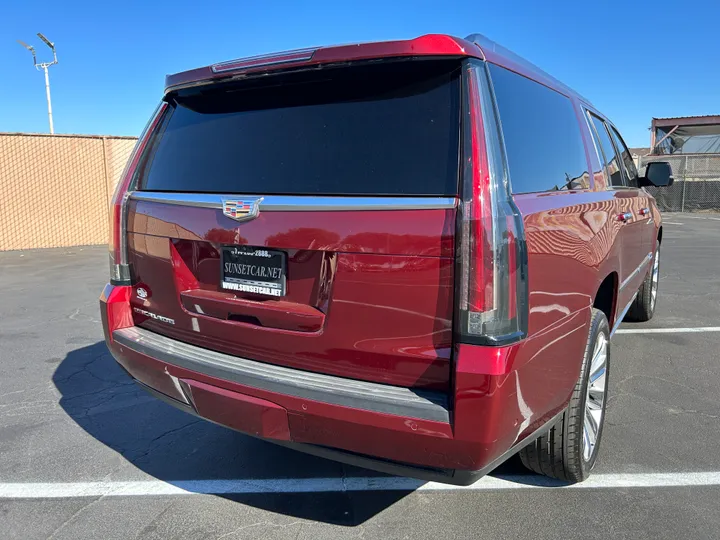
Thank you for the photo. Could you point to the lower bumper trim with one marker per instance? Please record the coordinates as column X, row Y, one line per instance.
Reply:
column 457, row 477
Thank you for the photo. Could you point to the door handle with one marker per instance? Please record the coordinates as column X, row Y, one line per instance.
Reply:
column 627, row 216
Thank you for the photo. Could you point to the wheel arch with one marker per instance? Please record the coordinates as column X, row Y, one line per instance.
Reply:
column 606, row 297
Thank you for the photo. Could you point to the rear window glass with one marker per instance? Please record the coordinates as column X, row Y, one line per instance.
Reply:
column 544, row 147
column 388, row 129
column 611, row 158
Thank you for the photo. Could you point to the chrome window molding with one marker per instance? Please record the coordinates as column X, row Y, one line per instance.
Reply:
column 299, row 203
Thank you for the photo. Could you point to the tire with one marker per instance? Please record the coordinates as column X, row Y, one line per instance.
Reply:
column 643, row 307
column 567, row 452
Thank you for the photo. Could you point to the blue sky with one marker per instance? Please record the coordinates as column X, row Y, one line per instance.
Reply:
column 632, row 59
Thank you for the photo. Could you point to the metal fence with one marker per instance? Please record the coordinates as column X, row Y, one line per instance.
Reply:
column 55, row 190
column 696, row 187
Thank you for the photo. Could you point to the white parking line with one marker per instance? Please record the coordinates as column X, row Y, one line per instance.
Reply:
column 326, row 485
column 666, row 330
column 701, row 217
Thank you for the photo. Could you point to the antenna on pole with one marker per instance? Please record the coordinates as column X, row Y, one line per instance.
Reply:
column 44, row 66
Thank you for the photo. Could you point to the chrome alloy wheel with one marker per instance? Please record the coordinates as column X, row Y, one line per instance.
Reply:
column 655, row 277
column 595, row 399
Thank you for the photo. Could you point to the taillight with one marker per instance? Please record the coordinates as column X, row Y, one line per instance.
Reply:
column 492, row 296
column 120, row 273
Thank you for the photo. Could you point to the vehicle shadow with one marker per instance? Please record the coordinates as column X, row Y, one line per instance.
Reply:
column 175, row 447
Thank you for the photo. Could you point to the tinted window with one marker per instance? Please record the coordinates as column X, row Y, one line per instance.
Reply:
column 627, row 160
column 608, row 156
column 544, row 147
column 390, row 129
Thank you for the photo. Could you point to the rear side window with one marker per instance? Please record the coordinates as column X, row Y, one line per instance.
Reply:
column 608, row 155
column 627, row 160
column 545, row 150
column 386, row 129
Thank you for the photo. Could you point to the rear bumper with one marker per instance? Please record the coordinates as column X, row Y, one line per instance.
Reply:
column 282, row 380
column 449, row 476
column 391, row 429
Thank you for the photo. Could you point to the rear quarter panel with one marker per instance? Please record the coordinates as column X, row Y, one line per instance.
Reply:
column 571, row 244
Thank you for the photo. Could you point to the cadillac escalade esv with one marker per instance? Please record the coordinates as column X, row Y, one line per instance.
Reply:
column 409, row 256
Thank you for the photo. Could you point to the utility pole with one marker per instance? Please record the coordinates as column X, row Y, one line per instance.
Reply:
column 44, row 66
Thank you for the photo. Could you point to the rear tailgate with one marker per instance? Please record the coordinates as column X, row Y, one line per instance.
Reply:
column 348, row 267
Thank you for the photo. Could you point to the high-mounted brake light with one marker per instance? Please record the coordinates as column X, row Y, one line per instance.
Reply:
column 289, row 57
column 492, row 298
column 120, row 273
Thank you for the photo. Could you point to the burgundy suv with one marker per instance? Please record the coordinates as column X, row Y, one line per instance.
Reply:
column 408, row 256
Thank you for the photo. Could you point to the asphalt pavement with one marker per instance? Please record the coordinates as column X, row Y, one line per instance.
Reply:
column 93, row 456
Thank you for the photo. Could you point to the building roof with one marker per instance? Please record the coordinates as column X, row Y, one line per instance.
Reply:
column 707, row 119
column 639, row 151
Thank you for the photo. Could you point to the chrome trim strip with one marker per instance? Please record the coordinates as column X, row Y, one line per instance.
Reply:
column 299, row 203
column 636, row 271
column 365, row 395
column 199, row 200
column 620, row 317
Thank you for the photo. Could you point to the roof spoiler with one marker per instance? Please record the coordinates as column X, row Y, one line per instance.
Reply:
column 427, row 45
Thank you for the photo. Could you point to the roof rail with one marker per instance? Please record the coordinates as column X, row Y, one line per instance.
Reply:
column 488, row 44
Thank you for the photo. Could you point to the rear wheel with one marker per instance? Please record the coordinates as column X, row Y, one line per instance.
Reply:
column 569, row 450
column 643, row 307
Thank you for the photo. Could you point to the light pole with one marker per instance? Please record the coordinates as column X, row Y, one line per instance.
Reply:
column 44, row 66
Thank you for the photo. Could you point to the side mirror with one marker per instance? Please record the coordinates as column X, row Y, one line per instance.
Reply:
column 658, row 174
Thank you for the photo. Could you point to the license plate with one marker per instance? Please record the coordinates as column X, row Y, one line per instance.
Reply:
column 253, row 270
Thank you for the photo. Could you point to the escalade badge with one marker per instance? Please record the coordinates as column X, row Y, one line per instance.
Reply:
column 242, row 209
